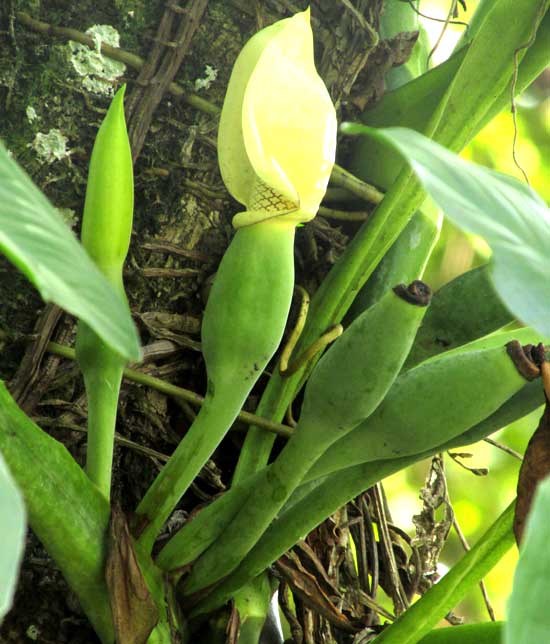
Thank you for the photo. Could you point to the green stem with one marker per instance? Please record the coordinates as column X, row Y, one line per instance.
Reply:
column 486, row 633
column 343, row 179
column 203, row 530
column 332, row 300
column 170, row 618
column 302, row 516
column 252, row 604
column 270, row 492
column 216, row 416
column 258, row 443
column 324, row 499
column 102, row 390
column 442, row 597
column 312, row 502
column 330, row 410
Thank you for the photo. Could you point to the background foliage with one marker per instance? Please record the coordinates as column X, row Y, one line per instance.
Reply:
column 478, row 500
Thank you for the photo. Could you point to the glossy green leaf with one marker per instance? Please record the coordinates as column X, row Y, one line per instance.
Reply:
column 508, row 214
column 528, row 616
column 34, row 237
column 65, row 509
column 14, row 524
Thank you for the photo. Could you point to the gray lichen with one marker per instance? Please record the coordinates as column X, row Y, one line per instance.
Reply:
column 50, row 146
column 98, row 72
column 31, row 114
column 210, row 75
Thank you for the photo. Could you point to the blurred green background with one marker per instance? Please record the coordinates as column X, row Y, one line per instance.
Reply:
column 477, row 500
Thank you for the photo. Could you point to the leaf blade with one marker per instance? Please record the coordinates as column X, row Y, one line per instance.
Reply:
column 14, row 522
column 508, row 214
column 528, row 616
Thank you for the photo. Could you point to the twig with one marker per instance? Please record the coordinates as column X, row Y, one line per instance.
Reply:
column 344, row 179
column 333, row 332
column 476, row 471
column 296, row 331
column 116, row 53
column 179, row 273
column 504, row 448
column 29, row 369
column 166, row 246
column 397, row 592
column 375, row 562
column 450, row 14
column 178, row 392
column 343, row 215
column 174, row 36
column 56, row 423
column 434, row 19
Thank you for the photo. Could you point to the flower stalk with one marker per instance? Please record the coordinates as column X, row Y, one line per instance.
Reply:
column 276, row 148
column 106, row 230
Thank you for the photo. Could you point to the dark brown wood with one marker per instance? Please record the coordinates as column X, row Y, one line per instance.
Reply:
column 172, row 42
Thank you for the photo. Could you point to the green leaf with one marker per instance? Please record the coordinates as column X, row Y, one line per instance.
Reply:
column 65, row 509
column 528, row 616
column 14, row 525
column 508, row 214
column 34, row 237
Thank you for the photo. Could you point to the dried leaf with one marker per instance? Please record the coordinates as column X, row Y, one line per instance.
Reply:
column 535, row 467
column 135, row 613
column 431, row 532
column 305, row 586
column 233, row 626
column 310, row 562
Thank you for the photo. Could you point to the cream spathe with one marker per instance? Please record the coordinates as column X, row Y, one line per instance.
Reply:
column 277, row 135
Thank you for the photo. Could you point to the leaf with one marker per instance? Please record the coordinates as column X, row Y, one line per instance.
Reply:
column 528, row 615
column 65, row 509
column 307, row 588
column 14, row 526
column 509, row 215
column 34, row 237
